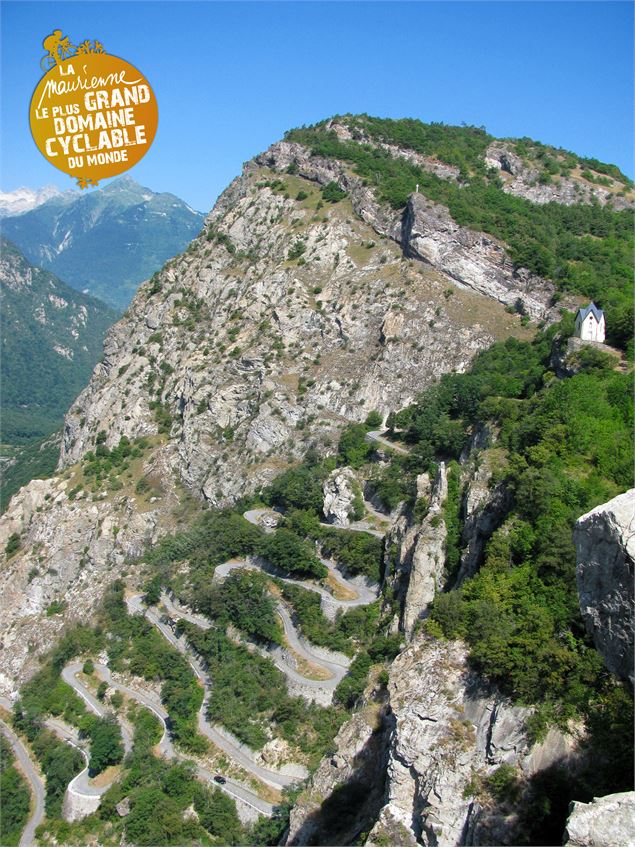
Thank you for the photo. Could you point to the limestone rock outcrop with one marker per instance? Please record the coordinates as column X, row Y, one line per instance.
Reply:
column 605, row 822
column 483, row 509
column 472, row 259
column 449, row 732
column 428, row 556
column 71, row 546
column 415, row 550
column 522, row 180
column 605, row 551
column 341, row 490
column 346, row 791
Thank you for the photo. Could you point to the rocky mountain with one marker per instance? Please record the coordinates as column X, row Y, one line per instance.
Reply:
column 24, row 199
column 339, row 290
column 104, row 243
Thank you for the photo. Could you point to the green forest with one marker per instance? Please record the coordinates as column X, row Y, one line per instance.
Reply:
column 15, row 796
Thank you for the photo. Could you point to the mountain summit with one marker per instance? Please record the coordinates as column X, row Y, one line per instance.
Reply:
column 106, row 242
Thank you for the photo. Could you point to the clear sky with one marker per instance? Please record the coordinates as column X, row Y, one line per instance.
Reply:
column 231, row 77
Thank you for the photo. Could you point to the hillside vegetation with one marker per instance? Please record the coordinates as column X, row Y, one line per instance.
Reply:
column 15, row 797
column 51, row 340
column 561, row 456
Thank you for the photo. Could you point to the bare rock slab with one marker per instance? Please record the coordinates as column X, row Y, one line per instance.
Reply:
column 605, row 550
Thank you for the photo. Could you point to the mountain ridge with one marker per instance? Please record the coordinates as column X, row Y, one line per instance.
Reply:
column 52, row 337
column 107, row 241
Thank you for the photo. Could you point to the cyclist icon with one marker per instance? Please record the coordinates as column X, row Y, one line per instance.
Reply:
column 58, row 46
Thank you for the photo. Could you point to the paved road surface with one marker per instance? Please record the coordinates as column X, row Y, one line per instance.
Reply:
column 335, row 667
column 255, row 516
column 38, row 790
column 379, row 439
column 165, row 746
column 80, row 784
column 69, row 675
column 365, row 594
column 220, row 738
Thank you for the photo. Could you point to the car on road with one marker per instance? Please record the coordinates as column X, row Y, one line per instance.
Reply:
column 220, row 779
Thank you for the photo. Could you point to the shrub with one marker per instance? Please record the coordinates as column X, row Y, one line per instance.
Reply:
column 358, row 552
column 504, row 784
column 297, row 488
column 296, row 251
column 285, row 550
column 15, row 797
column 373, row 420
column 13, row 544
column 332, row 193
column 353, row 449
column 351, row 687
column 243, row 600
column 106, row 746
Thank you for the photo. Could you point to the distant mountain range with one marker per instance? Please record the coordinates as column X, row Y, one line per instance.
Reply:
column 103, row 243
column 51, row 340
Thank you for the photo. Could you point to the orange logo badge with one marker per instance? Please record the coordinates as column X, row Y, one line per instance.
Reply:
column 92, row 115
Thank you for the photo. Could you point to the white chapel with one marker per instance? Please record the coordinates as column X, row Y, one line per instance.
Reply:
column 589, row 324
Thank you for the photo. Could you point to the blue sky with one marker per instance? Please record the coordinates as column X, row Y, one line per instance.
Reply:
column 231, row 77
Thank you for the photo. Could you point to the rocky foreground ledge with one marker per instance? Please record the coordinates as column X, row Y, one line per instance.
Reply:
column 605, row 549
column 606, row 822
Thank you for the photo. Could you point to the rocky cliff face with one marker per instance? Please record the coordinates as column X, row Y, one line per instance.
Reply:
column 472, row 260
column 70, row 548
column 415, row 551
column 438, row 736
column 340, row 491
column 449, row 733
column 605, row 549
column 246, row 346
column 346, row 792
column 483, row 505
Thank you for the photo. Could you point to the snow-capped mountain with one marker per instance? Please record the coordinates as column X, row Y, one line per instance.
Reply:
column 24, row 199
